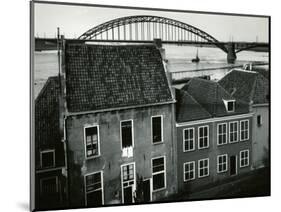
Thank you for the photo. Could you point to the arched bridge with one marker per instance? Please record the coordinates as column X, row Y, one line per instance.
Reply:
column 148, row 28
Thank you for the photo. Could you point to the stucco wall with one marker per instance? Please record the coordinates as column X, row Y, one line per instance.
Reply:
column 111, row 158
column 212, row 152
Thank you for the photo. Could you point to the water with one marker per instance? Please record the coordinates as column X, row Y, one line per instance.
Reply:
column 179, row 59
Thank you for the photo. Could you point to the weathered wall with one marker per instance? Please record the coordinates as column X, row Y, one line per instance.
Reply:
column 261, row 137
column 212, row 152
column 111, row 158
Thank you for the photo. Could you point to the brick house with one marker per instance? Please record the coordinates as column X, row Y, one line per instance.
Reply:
column 214, row 135
column 253, row 88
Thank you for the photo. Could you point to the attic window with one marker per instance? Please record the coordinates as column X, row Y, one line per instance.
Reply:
column 230, row 105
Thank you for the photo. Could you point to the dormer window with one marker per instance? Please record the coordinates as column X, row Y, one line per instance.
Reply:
column 229, row 105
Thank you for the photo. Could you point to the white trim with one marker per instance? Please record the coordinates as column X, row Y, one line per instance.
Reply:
column 133, row 140
column 247, row 130
column 159, row 172
column 133, row 186
column 208, row 167
column 186, row 140
column 54, row 158
column 85, row 141
column 248, row 158
column 208, row 144
column 226, row 162
column 162, row 138
column 184, row 171
column 226, row 105
column 237, row 132
column 85, row 186
column 47, row 178
column 261, row 105
column 224, row 133
column 210, row 120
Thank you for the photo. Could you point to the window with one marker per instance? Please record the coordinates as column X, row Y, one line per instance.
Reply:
column 94, row 189
column 128, row 182
column 259, row 120
column 203, row 137
column 222, row 134
column 222, row 163
column 158, row 173
column 47, row 158
column 127, row 133
column 188, row 139
column 233, row 132
column 244, row 130
column 203, row 167
column 92, row 141
column 231, row 106
column 244, row 158
column 49, row 186
column 157, row 129
column 189, row 171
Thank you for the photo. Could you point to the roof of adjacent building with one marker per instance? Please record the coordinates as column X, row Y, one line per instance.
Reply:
column 109, row 76
column 201, row 99
column 249, row 86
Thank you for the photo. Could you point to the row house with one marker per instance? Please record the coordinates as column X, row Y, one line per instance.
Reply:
column 214, row 135
column 252, row 87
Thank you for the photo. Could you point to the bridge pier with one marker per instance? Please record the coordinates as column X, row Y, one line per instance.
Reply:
column 231, row 54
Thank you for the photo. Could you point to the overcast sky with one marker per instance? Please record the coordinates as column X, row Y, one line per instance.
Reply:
column 75, row 20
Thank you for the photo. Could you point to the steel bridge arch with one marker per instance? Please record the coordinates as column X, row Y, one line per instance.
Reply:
column 115, row 23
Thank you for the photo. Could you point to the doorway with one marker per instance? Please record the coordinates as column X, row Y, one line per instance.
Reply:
column 147, row 190
column 128, row 182
column 233, row 165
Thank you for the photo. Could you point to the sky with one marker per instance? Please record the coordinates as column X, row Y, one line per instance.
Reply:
column 74, row 20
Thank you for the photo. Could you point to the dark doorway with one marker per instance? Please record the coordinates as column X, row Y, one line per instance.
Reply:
column 94, row 198
column 233, row 165
column 128, row 195
column 146, row 191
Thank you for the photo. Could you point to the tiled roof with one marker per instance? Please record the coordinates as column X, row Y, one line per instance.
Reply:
column 210, row 95
column 188, row 109
column 109, row 76
column 247, row 86
column 47, row 134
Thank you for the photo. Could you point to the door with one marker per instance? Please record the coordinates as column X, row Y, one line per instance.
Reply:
column 128, row 182
column 233, row 165
column 146, row 190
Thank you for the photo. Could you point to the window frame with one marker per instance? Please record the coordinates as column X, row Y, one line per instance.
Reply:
column 162, row 136
column 208, row 136
column 237, row 132
column 248, row 130
column 121, row 138
column 47, row 178
column 226, row 163
column 248, row 158
column 208, row 167
column 85, row 186
column 226, row 134
column 187, row 140
column 54, row 158
column 159, row 172
column 85, row 141
column 227, row 109
column 184, row 171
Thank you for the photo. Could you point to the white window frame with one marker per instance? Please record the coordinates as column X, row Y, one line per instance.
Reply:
column 208, row 135
column 247, row 159
column 188, row 139
column 228, row 101
column 133, row 140
column 54, row 158
column 185, row 171
column 226, row 163
column 159, row 172
column 245, row 139
column 224, row 133
column 151, row 123
column 47, row 178
column 122, row 186
column 237, row 132
column 85, row 186
column 85, row 141
column 199, row 168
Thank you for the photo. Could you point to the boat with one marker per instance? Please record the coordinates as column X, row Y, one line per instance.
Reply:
column 196, row 59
